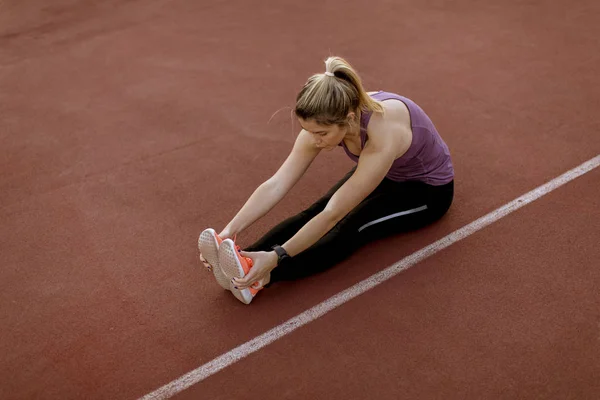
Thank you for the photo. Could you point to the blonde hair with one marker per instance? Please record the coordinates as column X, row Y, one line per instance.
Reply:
column 329, row 97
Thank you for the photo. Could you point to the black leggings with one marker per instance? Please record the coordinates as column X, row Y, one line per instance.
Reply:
column 393, row 207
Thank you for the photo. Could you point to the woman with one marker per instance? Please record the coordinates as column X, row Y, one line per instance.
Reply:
column 403, row 180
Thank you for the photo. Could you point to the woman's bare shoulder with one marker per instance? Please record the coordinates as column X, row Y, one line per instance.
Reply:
column 392, row 129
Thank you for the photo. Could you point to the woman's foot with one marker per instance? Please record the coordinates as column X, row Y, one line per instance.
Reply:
column 208, row 245
column 234, row 265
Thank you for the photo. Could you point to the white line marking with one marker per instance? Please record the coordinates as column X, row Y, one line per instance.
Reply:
column 225, row 360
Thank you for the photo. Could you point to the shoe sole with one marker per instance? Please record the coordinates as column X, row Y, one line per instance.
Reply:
column 231, row 267
column 209, row 247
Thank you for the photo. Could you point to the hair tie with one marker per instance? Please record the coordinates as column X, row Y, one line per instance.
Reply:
column 329, row 73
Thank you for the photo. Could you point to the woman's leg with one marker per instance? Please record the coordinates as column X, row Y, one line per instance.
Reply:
column 393, row 207
column 288, row 228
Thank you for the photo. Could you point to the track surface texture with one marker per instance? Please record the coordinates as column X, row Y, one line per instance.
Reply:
column 128, row 127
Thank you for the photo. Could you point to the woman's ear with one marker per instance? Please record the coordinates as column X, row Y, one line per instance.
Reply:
column 352, row 120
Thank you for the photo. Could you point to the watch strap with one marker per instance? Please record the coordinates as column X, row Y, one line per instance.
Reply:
column 281, row 253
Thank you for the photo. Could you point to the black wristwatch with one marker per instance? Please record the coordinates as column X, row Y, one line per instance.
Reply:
column 281, row 253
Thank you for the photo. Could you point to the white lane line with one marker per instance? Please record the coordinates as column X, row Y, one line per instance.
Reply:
column 232, row 356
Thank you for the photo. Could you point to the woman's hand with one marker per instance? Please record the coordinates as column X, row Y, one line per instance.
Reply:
column 264, row 263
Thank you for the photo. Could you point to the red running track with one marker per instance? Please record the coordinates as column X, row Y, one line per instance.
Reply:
column 128, row 127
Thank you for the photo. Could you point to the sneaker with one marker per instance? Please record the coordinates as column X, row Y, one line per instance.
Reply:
column 234, row 265
column 208, row 245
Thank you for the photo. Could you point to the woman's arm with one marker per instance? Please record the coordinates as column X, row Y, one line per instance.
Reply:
column 269, row 193
column 390, row 136
column 374, row 163
column 387, row 141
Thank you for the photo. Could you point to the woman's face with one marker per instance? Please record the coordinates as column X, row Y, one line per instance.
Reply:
column 326, row 137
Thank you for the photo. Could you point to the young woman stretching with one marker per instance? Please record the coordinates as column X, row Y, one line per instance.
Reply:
column 403, row 180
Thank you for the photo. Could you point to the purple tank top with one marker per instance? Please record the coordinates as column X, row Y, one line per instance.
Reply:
column 426, row 160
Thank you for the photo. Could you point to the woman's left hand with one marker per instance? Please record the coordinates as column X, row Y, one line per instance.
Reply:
column 264, row 263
